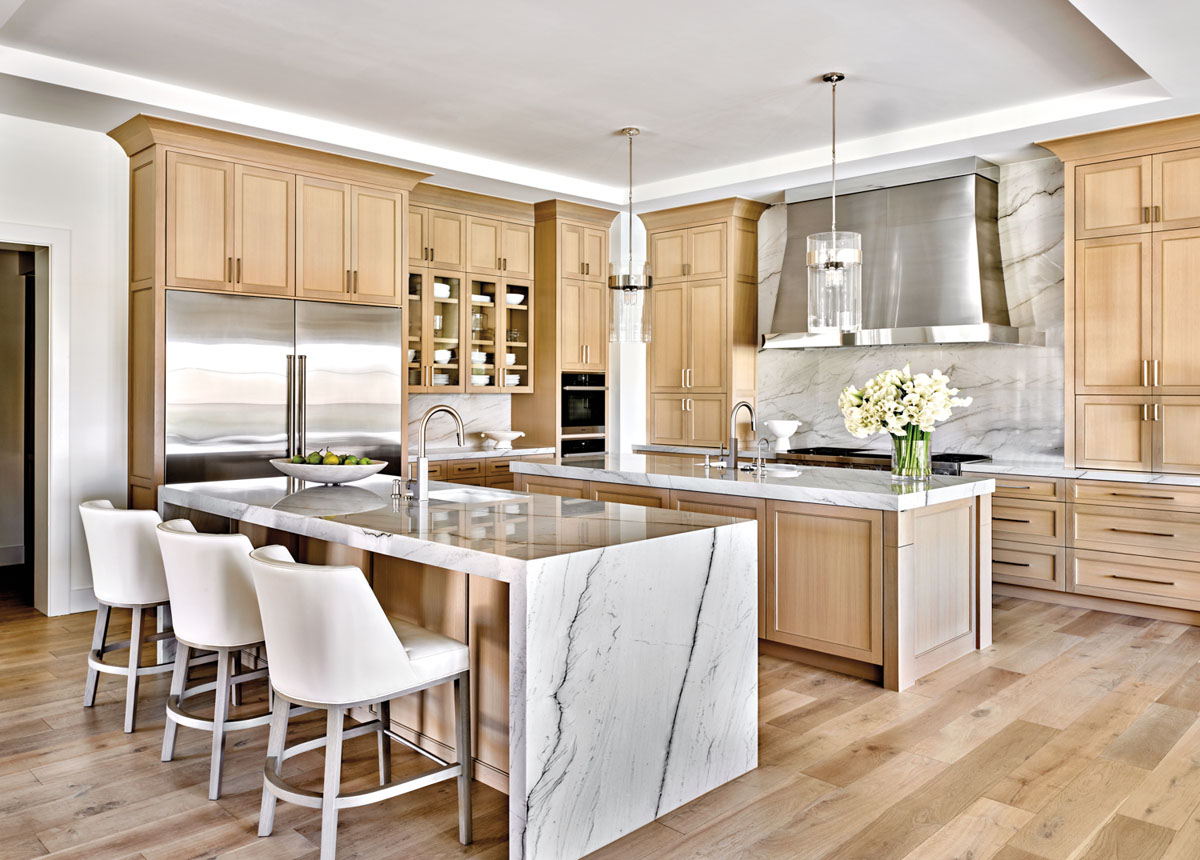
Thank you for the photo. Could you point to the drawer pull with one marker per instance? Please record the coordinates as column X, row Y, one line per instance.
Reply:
column 1012, row 563
column 1012, row 520
column 1014, row 486
column 1142, row 496
column 1140, row 579
column 1137, row 532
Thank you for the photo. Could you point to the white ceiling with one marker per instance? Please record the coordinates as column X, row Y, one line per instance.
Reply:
column 526, row 95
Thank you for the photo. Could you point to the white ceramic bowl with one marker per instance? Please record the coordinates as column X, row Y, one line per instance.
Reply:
column 479, row 357
column 332, row 475
column 510, row 359
column 503, row 438
column 441, row 291
column 480, row 379
column 412, row 355
column 782, row 431
column 441, row 356
column 514, row 298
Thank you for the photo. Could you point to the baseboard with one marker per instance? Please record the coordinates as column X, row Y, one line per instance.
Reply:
column 83, row 600
column 1100, row 604
column 12, row 555
column 843, row 665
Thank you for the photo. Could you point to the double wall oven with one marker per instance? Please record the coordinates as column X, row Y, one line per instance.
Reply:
column 584, row 405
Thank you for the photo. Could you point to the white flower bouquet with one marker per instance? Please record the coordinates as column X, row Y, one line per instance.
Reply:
column 907, row 407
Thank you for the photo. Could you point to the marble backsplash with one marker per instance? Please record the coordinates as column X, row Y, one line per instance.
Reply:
column 1018, row 390
column 479, row 412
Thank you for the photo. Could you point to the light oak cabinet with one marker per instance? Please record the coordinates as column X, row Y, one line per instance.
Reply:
column 584, row 326
column 440, row 237
column 825, row 579
column 499, row 315
column 499, row 248
column 1113, row 198
column 350, row 242
column 200, row 216
column 1113, row 337
column 1143, row 434
column 702, row 357
column 377, row 243
column 264, row 222
column 1177, row 189
column 437, row 331
column 583, row 251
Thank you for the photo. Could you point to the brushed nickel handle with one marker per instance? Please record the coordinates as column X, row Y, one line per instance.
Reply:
column 1145, row 412
column 683, row 404
column 1014, row 486
column 1138, row 532
column 587, row 268
column 505, row 267
column 691, row 405
column 1010, row 520
column 356, row 282
column 1157, row 213
column 1155, row 411
column 1145, row 373
column 689, row 377
column 1140, row 496
column 239, row 270
column 432, row 253
column 1156, row 373
column 1012, row 563
column 683, row 377
column 229, row 269
column 1142, row 579
column 1145, row 214
column 347, row 280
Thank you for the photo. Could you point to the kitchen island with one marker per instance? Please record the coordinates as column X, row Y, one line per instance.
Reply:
column 856, row 574
column 613, row 649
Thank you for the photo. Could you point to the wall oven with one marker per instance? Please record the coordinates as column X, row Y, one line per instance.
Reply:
column 584, row 403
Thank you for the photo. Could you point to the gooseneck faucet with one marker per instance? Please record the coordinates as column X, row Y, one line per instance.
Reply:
column 422, row 476
column 732, row 463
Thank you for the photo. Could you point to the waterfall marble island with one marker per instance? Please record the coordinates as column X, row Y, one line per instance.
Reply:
column 613, row 647
column 855, row 573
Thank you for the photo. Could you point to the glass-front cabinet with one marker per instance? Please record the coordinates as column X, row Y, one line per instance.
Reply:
column 499, row 334
column 435, row 331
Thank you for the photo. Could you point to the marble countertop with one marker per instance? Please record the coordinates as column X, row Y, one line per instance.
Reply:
column 851, row 488
column 494, row 539
column 1045, row 469
column 474, row 452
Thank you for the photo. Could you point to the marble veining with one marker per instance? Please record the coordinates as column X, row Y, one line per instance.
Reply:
column 479, row 412
column 1018, row 390
column 1043, row 469
column 476, row 452
column 851, row 488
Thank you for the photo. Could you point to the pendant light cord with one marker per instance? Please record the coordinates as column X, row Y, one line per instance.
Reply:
column 630, row 205
column 833, row 153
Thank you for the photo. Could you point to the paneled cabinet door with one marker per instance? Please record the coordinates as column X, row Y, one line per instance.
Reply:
column 264, row 231
column 706, row 335
column 668, row 349
column 1177, row 435
column 1113, row 315
column 377, row 245
column 483, row 246
column 1177, row 189
column 323, row 257
column 517, row 249
column 706, row 252
column 418, row 236
column 595, row 261
column 447, row 236
column 1176, row 367
column 593, row 326
column 668, row 255
column 570, row 335
column 825, row 579
column 200, row 216
column 1113, row 198
column 570, row 240
column 667, row 418
column 1113, row 433
column 708, row 420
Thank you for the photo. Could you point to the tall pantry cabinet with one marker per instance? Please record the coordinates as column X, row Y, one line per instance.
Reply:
column 1133, row 297
column 702, row 357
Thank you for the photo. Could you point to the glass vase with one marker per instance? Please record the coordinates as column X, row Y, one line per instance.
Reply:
column 910, row 456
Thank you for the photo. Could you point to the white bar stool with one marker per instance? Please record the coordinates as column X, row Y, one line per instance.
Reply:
column 127, row 572
column 213, row 608
column 332, row 647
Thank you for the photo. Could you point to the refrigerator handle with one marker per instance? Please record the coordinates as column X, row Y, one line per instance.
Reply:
column 291, row 406
column 302, row 402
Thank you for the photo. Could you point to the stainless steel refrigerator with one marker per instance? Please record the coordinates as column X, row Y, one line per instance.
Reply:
column 248, row 379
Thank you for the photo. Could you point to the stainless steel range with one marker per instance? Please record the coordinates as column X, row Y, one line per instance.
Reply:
column 861, row 458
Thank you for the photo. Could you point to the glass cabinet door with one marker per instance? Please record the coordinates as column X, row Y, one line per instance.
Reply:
column 516, row 353
column 446, row 361
column 417, row 377
column 482, row 328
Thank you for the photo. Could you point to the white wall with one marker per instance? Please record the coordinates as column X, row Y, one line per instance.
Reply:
column 67, row 178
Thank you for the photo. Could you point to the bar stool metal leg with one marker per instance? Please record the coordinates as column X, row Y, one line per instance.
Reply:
column 178, row 682
column 98, row 637
column 462, row 744
column 333, row 783
column 220, row 716
column 135, row 663
column 385, row 742
column 280, row 708
column 235, row 691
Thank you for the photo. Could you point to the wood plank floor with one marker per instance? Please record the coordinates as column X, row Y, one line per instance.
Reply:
column 1076, row 735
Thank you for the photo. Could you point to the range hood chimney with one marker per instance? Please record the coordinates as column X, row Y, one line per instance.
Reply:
column 931, row 259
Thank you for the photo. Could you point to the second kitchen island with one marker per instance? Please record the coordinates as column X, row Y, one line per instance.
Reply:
column 855, row 574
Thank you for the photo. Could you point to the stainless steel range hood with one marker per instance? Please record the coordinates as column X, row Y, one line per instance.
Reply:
column 931, row 260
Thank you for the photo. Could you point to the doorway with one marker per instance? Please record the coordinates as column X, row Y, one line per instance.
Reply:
column 18, row 340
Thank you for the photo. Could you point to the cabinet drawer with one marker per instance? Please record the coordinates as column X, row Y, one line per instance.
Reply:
column 1029, row 564
column 1020, row 487
column 437, row 471
column 623, row 494
column 1028, row 521
column 500, row 482
column 1134, row 531
column 496, row 467
column 464, row 469
column 474, row 482
column 1156, row 496
column 1137, row 578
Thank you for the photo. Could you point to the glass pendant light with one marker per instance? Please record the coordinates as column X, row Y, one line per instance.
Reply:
column 834, row 261
column 631, row 305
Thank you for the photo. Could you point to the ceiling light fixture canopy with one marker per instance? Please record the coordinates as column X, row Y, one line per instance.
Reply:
column 631, row 306
column 834, row 259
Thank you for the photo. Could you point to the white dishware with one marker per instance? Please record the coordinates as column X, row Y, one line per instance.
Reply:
column 480, row 379
column 502, row 438
column 322, row 474
column 441, row 291
column 476, row 298
column 510, row 359
column 412, row 355
column 782, row 431
column 512, row 379
column 479, row 357
column 782, row 470
column 441, row 356
column 514, row 298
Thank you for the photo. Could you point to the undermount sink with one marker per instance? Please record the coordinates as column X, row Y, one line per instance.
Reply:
column 471, row 495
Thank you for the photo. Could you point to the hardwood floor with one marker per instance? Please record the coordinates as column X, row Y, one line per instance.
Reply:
column 1076, row 735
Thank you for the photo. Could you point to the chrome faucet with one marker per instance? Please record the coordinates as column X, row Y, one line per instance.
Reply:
column 732, row 463
column 422, row 465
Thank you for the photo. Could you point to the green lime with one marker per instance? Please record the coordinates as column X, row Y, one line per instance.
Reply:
column 364, row 461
